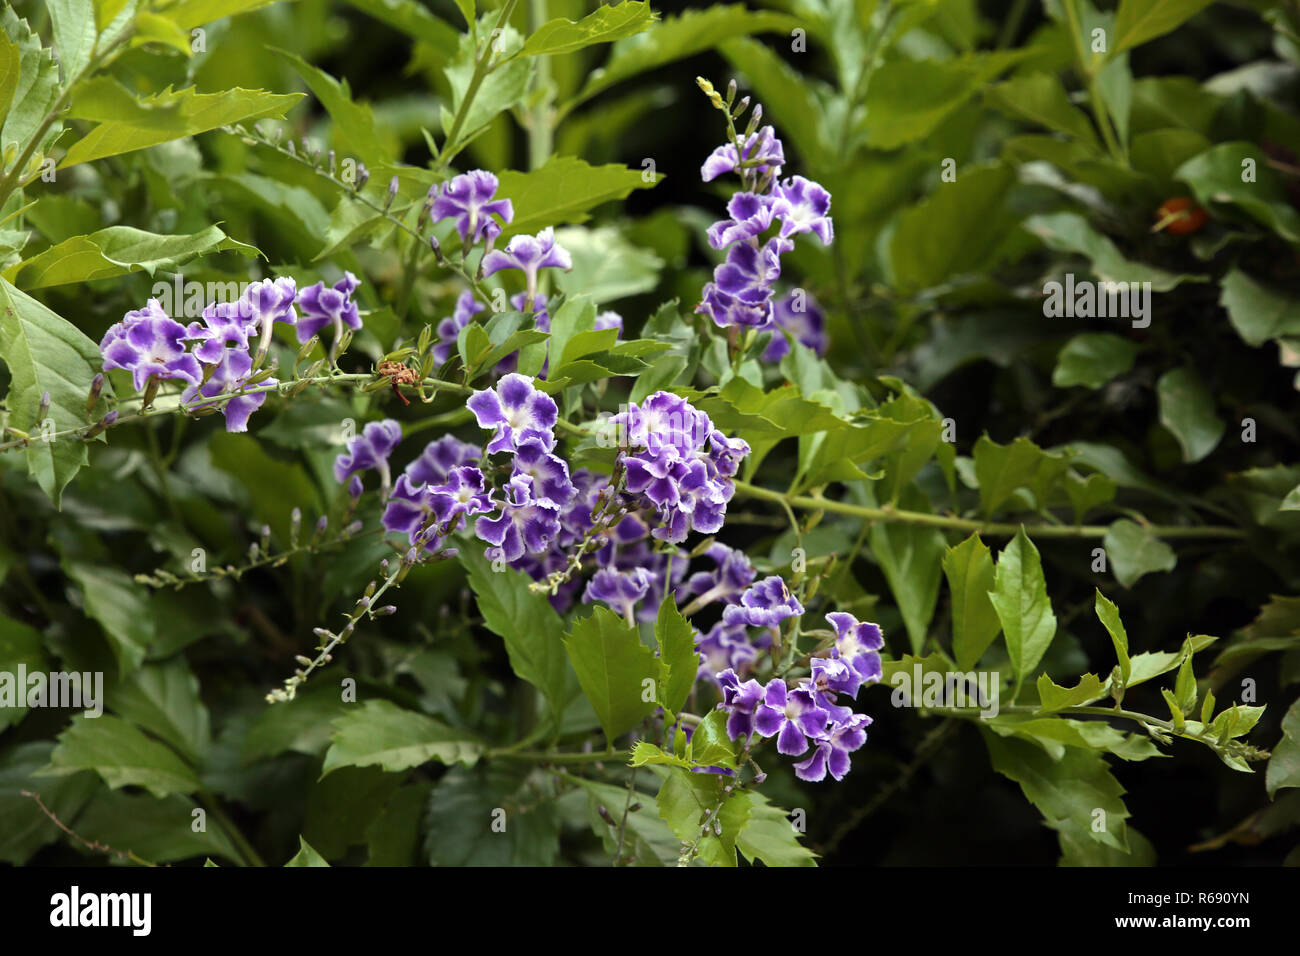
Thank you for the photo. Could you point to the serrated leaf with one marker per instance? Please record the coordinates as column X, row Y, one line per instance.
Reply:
column 676, row 639
column 975, row 624
column 379, row 733
column 612, row 665
column 122, row 755
column 1020, row 598
column 1108, row 614
column 1284, row 764
column 1052, row 697
column 1134, row 551
column 605, row 25
column 46, row 353
column 564, row 190
column 1002, row 469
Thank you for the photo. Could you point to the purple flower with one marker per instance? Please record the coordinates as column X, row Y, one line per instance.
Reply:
column 728, row 310
column 439, row 457
column 468, row 198
column 222, row 328
column 322, row 306
column 368, row 450
column 766, row 604
column 791, row 716
column 662, row 422
column 724, row 648
column 228, row 378
column 525, row 523
column 518, row 412
column 857, row 645
column 549, row 474
column 409, row 508
column 147, row 342
column 830, row 677
column 449, row 328
column 726, row 582
column 749, row 271
column 802, row 206
column 726, row 454
column 831, row 752
column 762, row 146
column 798, row 314
column 528, row 254
column 609, row 320
column 541, row 318
column 620, row 590
column 463, row 493
column 740, row 700
column 750, row 214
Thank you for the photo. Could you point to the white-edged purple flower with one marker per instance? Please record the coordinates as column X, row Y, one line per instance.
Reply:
column 408, row 509
column 222, row 328
column 541, row 318
column 369, row 450
column 749, row 271
column 750, row 214
column 463, row 493
column 528, row 254
column 439, row 457
column 323, row 305
column 662, row 421
column 549, row 473
column 830, row 677
column 517, row 411
column 725, row 454
column 728, row 310
column 766, row 604
column 622, row 591
column 803, row 206
column 724, row 648
column 228, row 378
column 526, row 523
column 762, row 147
column 791, row 716
column 726, row 582
column 740, row 700
column 798, row 314
column 831, row 752
column 449, row 328
column 148, row 342
column 469, row 199
column 857, row 644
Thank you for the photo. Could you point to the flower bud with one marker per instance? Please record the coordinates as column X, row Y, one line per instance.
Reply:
column 96, row 388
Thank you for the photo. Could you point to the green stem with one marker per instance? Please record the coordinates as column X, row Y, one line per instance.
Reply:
column 542, row 118
column 481, row 70
column 891, row 514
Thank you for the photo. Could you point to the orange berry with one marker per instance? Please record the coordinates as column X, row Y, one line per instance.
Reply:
column 1180, row 216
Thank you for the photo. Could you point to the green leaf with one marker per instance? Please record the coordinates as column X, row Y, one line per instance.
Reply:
column 956, row 229
column 1067, row 791
column 26, row 828
column 1284, row 764
column 605, row 265
column 787, row 96
column 159, row 831
column 605, row 25
column 46, row 353
column 1087, row 493
column 164, row 700
column 121, row 606
column 910, row 557
column 1257, row 312
column 302, row 725
column 908, row 99
column 769, row 836
column 20, row 646
column 975, row 625
column 306, row 856
column 532, row 631
column 1138, row 21
column 188, row 14
column 73, row 22
column 1236, row 721
column 677, row 655
column 1020, row 598
column 499, row 89
column 393, row 836
column 117, row 251
column 125, row 123
column 122, row 755
column 355, row 127
column 1055, row 735
column 1002, row 469
column 1187, row 409
column 1134, row 551
column 10, row 70
column 612, row 665
column 1052, row 697
column 564, row 190
column 711, row 745
column 485, row 817
column 1070, row 232
column 1215, row 176
column 676, row 38
column 1040, row 98
column 379, row 733
column 1185, row 686
column 1093, row 359
column 1108, row 614
column 36, row 89
column 645, row 835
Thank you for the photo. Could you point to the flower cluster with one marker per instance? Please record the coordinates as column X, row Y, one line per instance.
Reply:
column 216, row 357
column 677, row 462
column 802, row 715
column 741, row 293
